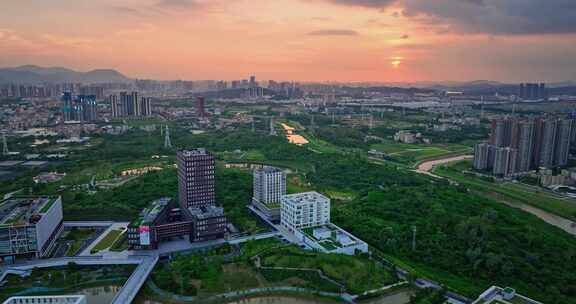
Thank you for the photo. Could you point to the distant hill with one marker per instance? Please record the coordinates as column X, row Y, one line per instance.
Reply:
column 31, row 74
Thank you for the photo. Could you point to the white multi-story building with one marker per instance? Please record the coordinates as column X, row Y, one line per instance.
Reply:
column 306, row 218
column 304, row 210
column 269, row 187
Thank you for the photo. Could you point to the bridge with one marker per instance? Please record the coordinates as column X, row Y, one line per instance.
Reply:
column 125, row 295
column 146, row 261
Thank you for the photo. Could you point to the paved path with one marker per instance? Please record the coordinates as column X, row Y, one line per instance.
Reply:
column 114, row 226
column 87, row 224
column 93, row 260
column 136, row 280
column 125, row 295
column 146, row 260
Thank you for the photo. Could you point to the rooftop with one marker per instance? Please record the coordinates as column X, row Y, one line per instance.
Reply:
column 206, row 212
column 195, row 152
column 24, row 210
column 499, row 295
column 305, row 197
column 269, row 169
column 150, row 213
column 330, row 236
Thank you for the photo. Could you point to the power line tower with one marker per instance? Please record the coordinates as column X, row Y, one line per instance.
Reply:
column 272, row 129
column 5, row 145
column 371, row 121
column 167, row 142
column 253, row 125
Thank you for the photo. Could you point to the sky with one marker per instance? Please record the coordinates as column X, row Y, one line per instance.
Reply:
column 303, row 40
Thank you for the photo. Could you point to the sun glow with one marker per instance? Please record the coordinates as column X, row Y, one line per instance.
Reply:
column 396, row 61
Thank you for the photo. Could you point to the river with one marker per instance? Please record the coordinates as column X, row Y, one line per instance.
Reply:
column 552, row 219
column 400, row 297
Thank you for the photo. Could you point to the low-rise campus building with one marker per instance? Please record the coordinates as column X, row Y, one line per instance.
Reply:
column 208, row 223
column 307, row 217
column 159, row 221
column 499, row 295
column 29, row 226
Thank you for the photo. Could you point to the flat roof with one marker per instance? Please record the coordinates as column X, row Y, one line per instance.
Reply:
column 339, row 238
column 10, row 163
column 149, row 214
column 206, row 212
column 24, row 210
column 305, row 197
column 195, row 152
column 34, row 163
column 269, row 169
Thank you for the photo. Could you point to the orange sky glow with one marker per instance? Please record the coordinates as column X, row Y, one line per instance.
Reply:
column 305, row 40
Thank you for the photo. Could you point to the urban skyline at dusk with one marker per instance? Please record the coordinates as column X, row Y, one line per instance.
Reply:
column 312, row 40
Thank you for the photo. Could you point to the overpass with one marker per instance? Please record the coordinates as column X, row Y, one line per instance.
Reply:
column 145, row 261
column 125, row 295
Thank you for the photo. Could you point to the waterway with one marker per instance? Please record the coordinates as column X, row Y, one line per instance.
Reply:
column 99, row 295
column 552, row 219
column 400, row 297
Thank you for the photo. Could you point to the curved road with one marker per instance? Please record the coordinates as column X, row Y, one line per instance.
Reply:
column 552, row 219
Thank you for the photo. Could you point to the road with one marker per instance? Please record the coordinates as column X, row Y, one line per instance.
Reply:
column 427, row 166
column 113, row 226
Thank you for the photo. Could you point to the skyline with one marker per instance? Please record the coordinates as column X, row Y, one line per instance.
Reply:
column 302, row 40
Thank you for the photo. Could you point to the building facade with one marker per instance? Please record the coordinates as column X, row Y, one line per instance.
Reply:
column 208, row 223
column 159, row 221
column 505, row 160
column 29, row 227
column 196, row 182
column 79, row 299
column 79, row 108
column 482, row 156
column 269, row 187
column 130, row 105
column 535, row 142
column 303, row 210
column 532, row 91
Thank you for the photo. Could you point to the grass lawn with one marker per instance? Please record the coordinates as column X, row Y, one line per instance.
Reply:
column 108, row 240
column 418, row 152
column 515, row 192
column 357, row 273
column 295, row 184
column 77, row 238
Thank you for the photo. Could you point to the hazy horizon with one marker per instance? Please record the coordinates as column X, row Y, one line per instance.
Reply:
column 402, row 41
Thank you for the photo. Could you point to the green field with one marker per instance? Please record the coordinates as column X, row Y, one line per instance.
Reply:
column 208, row 273
column 507, row 191
column 107, row 241
column 356, row 272
column 411, row 153
column 68, row 279
column 76, row 238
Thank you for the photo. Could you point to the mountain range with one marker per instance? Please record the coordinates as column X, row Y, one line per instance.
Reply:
column 32, row 74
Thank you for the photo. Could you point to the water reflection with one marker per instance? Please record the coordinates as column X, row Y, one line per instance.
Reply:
column 100, row 295
column 401, row 297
